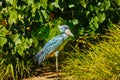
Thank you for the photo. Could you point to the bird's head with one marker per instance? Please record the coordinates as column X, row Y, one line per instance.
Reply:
column 65, row 29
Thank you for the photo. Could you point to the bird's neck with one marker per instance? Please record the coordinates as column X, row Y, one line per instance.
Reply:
column 65, row 36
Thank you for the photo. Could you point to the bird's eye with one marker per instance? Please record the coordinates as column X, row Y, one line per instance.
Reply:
column 62, row 28
column 66, row 28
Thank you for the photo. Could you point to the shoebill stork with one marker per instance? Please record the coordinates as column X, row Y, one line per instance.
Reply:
column 53, row 46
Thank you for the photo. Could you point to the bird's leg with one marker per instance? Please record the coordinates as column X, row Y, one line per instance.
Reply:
column 56, row 55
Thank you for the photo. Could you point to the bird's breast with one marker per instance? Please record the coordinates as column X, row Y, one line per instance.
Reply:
column 52, row 54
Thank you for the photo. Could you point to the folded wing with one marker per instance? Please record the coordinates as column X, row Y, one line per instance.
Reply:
column 49, row 47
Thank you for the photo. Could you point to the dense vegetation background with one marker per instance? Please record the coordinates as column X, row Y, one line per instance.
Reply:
column 26, row 25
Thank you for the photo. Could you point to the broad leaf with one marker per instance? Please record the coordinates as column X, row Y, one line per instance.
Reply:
column 2, row 41
column 44, row 3
column 83, row 3
column 75, row 21
column 13, row 17
column 15, row 37
column 20, row 49
column 94, row 23
column 12, row 2
column 118, row 1
column 55, row 4
column 71, row 5
column 29, row 2
column 101, row 17
column 106, row 4
column 3, row 31
column 44, row 14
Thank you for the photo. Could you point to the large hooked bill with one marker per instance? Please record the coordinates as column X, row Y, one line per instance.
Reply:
column 68, row 32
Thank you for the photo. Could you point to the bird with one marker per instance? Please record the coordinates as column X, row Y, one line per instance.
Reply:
column 52, row 47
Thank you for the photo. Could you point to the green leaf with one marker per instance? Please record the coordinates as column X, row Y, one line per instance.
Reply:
column 101, row 7
column 92, row 27
column 55, row 4
column 91, row 7
column 95, row 18
column 44, row 3
column 94, row 23
column 83, row 3
column 23, row 45
column 12, row 71
column 81, row 31
column 71, row 5
column 35, row 40
column 2, row 41
column 20, row 49
column 13, row 17
column 87, row 13
column 3, row 31
column 29, row 2
column 101, row 17
column 57, row 1
column 13, row 2
column 75, row 21
column 106, row 4
column 15, row 37
column 118, row 2
column 51, row 7
column 27, row 43
column 35, row 7
column 18, row 41
column 44, row 14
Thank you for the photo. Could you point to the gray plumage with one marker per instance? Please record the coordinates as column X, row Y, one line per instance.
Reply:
column 53, row 44
column 49, row 47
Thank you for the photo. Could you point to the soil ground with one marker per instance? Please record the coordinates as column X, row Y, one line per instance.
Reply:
column 47, row 76
column 45, row 73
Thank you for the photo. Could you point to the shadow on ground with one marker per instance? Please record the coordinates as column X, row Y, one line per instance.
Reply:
column 45, row 73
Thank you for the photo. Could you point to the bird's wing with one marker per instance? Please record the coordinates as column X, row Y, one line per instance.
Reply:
column 56, row 40
column 40, row 53
column 50, row 47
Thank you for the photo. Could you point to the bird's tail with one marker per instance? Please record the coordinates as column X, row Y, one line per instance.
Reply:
column 39, row 57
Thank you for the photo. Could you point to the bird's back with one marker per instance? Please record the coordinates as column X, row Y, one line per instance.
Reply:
column 49, row 48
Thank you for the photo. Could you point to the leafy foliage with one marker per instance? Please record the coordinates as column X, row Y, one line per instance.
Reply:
column 101, row 61
column 25, row 25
